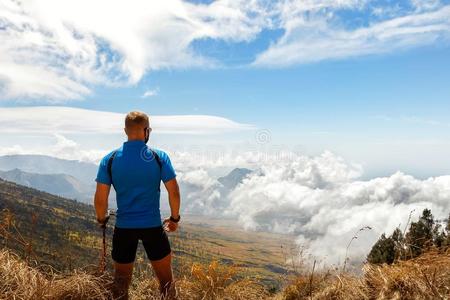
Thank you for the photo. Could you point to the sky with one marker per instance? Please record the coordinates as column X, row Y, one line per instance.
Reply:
column 367, row 80
column 341, row 105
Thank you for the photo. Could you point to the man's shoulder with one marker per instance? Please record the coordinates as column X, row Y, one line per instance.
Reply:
column 161, row 154
column 106, row 158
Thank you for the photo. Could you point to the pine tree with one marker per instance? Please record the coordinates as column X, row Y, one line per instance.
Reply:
column 399, row 241
column 383, row 251
column 421, row 233
column 439, row 236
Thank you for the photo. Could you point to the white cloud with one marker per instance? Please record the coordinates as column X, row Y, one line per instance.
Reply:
column 62, row 147
column 150, row 93
column 425, row 5
column 58, row 49
column 318, row 37
column 13, row 150
column 200, row 192
column 69, row 149
column 60, row 119
column 320, row 200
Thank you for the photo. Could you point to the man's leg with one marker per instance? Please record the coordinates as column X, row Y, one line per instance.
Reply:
column 122, row 279
column 163, row 271
column 124, row 246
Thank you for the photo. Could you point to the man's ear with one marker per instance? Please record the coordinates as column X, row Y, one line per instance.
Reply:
column 125, row 129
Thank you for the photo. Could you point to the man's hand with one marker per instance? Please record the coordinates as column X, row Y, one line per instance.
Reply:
column 103, row 221
column 174, row 202
column 169, row 226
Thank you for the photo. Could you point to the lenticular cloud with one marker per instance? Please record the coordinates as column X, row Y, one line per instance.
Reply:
column 321, row 201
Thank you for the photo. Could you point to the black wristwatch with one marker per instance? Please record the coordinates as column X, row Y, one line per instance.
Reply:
column 175, row 220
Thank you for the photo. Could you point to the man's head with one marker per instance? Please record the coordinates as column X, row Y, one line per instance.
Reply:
column 137, row 126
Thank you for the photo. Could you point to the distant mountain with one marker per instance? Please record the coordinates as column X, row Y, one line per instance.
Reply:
column 41, row 164
column 58, row 184
column 224, row 186
column 234, row 178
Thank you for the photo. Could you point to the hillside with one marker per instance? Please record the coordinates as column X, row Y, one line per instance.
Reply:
column 42, row 164
column 63, row 234
column 57, row 184
column 60, row 232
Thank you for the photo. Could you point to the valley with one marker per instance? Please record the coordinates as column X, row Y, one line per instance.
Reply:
column 62, row 233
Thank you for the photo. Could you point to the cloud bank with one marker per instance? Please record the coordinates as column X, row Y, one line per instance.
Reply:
column 59, row 119
column 58, row 51
column 319, row 199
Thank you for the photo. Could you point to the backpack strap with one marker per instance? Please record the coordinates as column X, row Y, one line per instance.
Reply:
column 156, row 156
column 111, row 158
column 158, row 161
column 110, row 161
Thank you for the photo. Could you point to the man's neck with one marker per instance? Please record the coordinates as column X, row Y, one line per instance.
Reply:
column 135, row 139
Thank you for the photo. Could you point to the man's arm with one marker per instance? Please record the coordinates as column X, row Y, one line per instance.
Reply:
column 174, row 202
column 174, row 197
column 101, row 201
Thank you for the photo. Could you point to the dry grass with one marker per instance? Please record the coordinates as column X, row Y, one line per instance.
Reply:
column 213, row 281
column 17, row 280
column 20, row 281
column 426, row 277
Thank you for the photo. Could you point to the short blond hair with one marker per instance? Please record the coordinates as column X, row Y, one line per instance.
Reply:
column 135, row 119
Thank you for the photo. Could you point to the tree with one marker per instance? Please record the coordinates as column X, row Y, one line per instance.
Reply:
column 387, row 250
column 399, row 241
column 383, row 251
column 448, row 225
column 421, row 234
column 439, row 237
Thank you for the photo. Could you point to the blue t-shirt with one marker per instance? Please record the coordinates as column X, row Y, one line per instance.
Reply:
column 137, row 177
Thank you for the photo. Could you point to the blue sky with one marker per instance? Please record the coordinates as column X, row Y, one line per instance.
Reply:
column 352, row 103
column 368, row 80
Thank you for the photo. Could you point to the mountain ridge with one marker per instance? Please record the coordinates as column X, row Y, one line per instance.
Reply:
column 44, row 164
column 59, row 184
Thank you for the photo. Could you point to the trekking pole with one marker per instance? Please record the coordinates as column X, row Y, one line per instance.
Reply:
column 102, row 266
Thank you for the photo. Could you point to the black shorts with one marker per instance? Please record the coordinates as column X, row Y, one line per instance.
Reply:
column 125, row 242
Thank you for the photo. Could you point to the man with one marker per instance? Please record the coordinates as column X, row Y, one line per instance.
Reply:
column 136, row 171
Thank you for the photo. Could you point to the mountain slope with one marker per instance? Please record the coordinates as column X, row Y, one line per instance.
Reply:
column 63, row 233
column 41, row 164
column 235, row 177
column 58, row 184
